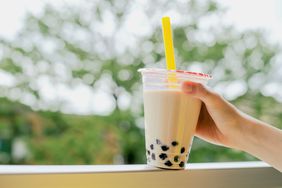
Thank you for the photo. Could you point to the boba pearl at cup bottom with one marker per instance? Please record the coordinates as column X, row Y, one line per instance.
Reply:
column 167, row 155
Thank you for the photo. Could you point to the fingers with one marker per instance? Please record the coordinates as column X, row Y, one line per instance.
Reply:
column 201, row 92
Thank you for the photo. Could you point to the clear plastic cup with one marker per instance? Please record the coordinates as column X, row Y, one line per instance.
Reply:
column 170, row 116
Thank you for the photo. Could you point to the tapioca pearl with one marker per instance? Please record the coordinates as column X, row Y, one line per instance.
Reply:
column 153, row 156
column 181, row 164
column 152, row 146
column 148, row 151
column 168, row 163
column 158, row 141
column 174, row 143
column 165, row 148
column 176, row 158
column 163, row 156
column 182, row 150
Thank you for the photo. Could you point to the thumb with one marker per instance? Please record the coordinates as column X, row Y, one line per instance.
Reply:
column 201, row 92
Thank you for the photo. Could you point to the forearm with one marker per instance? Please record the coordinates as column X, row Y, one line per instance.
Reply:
column 262, row 140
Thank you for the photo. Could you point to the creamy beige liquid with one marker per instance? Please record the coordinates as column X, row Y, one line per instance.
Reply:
column 170, row 122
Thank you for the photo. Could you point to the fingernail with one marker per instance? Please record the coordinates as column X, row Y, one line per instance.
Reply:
column 188, row 87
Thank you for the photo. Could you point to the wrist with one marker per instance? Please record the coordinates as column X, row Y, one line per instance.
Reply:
column 262, row 141
column 246, row 136
column 253, row 134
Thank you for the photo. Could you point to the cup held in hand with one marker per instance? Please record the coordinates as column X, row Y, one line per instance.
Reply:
column 170, row 116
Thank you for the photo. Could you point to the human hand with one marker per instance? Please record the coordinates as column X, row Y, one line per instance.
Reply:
column 219, row 121
column 223, row 124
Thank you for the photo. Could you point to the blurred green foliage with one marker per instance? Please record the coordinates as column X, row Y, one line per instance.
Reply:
column 71, row 46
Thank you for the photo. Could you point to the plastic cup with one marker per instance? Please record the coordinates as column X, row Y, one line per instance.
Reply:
column 170, row 116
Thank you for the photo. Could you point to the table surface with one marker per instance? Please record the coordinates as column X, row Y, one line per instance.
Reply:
column 212, row 175
column 45, row 169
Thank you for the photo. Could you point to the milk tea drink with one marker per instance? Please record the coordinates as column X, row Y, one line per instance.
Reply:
column 170, row 116
column 170, row 120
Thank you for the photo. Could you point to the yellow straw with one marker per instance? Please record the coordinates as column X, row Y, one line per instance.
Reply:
column 169, row 53
column 168, row 44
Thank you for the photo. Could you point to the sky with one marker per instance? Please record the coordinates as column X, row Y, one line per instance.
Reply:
column 265, row 15
column 251, row 14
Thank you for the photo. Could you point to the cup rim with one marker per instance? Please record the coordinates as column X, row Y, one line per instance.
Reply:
column 160, row 71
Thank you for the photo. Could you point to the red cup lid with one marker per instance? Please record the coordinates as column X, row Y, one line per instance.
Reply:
column 186, row 73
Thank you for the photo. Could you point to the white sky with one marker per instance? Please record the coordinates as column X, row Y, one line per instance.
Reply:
column 243, row 14
column 250, row 14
